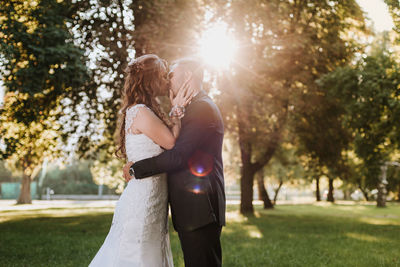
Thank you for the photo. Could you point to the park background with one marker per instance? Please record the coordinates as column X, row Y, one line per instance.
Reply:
column 310, row 96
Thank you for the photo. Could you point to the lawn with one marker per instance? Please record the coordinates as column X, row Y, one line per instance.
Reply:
column 290, row 235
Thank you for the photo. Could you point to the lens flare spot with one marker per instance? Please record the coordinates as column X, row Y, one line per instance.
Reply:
column 201, row 164
column 200, row 169
column 196, row 189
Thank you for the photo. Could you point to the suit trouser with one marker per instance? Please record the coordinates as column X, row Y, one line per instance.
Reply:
column 202, row 247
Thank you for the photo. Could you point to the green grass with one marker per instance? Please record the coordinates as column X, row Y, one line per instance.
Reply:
column 289, row 235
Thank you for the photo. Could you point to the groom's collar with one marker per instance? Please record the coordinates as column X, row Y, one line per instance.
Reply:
column 198, row 95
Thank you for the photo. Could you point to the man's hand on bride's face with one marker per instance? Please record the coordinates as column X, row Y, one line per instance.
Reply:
column 126, row 174
column 184, row 95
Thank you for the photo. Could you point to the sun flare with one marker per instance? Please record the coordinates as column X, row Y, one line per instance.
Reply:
column 217, row 47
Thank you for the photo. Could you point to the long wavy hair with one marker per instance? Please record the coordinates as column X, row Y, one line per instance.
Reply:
column 146, row 77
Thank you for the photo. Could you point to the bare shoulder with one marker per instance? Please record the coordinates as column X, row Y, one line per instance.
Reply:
column 137, row 110
column 144, row 112
column 144, row 117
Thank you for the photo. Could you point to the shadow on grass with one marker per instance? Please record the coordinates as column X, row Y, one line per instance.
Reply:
column 276, row 238
column 60, row 241
column 286, row 236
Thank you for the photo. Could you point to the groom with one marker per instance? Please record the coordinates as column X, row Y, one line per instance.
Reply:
column 195, row 172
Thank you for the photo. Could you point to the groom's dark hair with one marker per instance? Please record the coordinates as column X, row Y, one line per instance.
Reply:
column 193, row 64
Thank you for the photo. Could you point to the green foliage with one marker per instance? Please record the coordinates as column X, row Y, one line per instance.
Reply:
column 284, row 47
column 41, row 63
column 369, row 92
column 321, row 136
column 285, row 166
column 75, row 179
column 113, row 33
column 40, row 66
column 393, row 177
column 394, row 7
column 107, row 170
column 63, row 62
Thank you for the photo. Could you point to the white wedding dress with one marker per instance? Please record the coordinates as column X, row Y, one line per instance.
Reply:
column 138, row 235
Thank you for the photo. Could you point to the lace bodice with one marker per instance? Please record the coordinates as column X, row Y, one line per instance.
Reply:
column 138, row 146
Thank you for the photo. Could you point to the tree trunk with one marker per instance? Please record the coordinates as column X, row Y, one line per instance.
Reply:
column 346, row 194
column 246, row 190
column 365, row 193
column 382, row 191
column 398, row 194
column 277, row 191
column 381, row 199
column 317, row 191
column 25, row 193
column 260, row 188
column 263, row 192
column 249, row 169
column 330, row 192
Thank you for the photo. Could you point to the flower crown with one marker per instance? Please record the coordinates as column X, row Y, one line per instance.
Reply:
column 135, row 66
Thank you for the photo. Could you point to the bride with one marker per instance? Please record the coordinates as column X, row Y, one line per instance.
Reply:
column 138, row 235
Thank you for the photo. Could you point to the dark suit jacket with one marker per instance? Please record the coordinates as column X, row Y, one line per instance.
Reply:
column 194, row 167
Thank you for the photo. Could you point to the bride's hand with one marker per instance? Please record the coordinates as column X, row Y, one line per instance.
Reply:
column 184, row 95
column 125, row 170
